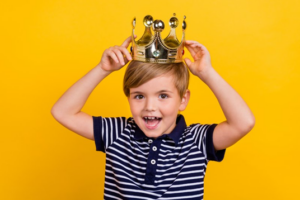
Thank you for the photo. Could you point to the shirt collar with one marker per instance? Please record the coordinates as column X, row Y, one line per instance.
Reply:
column 174, row 135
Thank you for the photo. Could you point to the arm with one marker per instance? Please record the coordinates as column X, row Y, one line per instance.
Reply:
column 67, row 110
column 239, row 118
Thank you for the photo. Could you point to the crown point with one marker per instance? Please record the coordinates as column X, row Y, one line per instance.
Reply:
column 148, row 20
column 158, row 26
column 184, row 25
column 133, row 22
column 173, row 22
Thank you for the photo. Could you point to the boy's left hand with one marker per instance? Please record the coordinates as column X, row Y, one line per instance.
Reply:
column 239, row 118
column 201, row 58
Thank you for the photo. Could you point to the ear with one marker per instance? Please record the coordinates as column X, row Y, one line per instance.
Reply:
column 185, row 100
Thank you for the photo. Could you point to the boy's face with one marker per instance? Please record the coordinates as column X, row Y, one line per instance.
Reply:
column 155, row 105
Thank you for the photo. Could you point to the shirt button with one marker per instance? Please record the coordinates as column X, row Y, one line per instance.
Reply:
column 154, row 148
column 150, row 141
column 153, row 162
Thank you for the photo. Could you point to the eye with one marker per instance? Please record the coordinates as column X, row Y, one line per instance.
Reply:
column 139, row 96
column 163, row 96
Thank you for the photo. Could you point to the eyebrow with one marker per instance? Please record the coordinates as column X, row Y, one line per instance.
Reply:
column 160, row 91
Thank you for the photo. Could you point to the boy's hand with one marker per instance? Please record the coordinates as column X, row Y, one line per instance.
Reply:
column 201, row 58
column 114, row 58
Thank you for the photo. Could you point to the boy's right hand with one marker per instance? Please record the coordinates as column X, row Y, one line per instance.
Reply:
column 114, row 58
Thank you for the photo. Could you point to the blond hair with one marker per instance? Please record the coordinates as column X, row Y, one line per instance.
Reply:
column 138, row 73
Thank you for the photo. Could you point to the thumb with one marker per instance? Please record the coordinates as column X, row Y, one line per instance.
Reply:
column 188, row 62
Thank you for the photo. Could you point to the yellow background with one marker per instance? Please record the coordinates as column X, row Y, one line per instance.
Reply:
column 46, row 46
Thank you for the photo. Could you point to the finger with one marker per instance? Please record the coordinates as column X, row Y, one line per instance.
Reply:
column 191, row 50
column 195, row 43
column 125, row 52
column 201, row 46
column 188, row 62
column 113, row 56
column 191, row 47
column 119, row 55
column 126, row 60
column 197, row 47
column 190, row 41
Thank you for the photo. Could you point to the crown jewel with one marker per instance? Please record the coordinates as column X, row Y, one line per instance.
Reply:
column 152, row 48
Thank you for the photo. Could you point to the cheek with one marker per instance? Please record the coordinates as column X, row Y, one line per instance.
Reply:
column 134, row 107
column 169, row 108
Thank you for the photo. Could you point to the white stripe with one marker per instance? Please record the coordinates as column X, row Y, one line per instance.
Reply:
column 130, row 190
column 127, row 162
column 182, row 197
column 111, row 196
column 111, row 131
column 135, row 148
column 203, row 133
column 184, row 191
column 177, row 161
column 180, row 173
column 129, row 170
column 178, row 179
column 180, row 166
column 179, row 153
column 130, row 151
column 106, row 134
column 116, row 128
column 123, row 195
column 102, row 129
column 172, row 159
column 124, row 154
column 128, row 174
column 187, row 184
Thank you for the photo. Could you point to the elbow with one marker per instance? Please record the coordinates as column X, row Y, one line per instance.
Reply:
column 55, row 112
column 243, row 127
column 248, row 125
column 252, row 122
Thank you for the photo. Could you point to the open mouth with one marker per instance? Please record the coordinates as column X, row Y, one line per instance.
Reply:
column 152, row 122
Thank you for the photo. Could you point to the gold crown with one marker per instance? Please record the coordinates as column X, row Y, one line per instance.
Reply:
column 152, row 48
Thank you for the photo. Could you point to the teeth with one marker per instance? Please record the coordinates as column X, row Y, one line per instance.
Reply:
column 150, row 118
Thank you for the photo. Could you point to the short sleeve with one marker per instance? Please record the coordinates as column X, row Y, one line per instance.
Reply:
column 212, row 154
column 204, row 140
column 107, row 130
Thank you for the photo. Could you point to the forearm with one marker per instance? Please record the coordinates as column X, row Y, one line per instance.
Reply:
column 238, row 115
column 72, row 101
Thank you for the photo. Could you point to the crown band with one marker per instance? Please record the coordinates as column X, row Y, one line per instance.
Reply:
column 152, row 48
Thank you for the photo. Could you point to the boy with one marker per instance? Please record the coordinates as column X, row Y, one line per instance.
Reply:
column 154, row 155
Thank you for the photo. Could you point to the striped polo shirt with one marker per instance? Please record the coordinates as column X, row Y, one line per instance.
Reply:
column 171, row 166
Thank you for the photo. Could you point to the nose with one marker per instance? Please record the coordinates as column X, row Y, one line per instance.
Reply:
column 150, row 105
